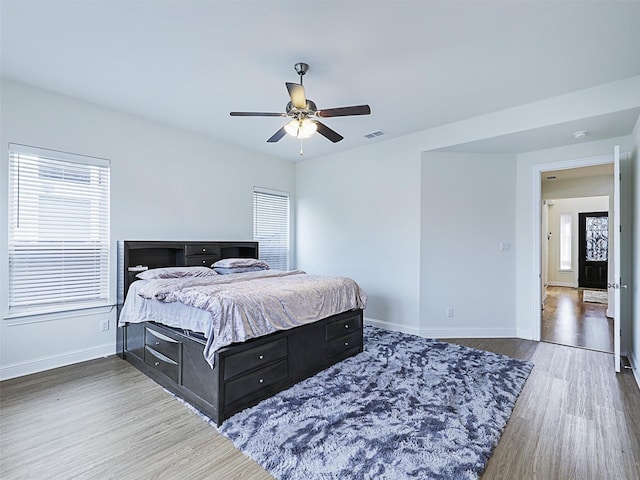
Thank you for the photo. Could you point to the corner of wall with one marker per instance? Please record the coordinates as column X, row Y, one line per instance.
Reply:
column 396, row 327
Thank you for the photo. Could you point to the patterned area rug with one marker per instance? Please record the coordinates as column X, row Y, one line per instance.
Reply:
column 407, row 407
column 595, row 296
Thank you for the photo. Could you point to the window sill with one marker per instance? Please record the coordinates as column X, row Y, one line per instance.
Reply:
column 45, row 315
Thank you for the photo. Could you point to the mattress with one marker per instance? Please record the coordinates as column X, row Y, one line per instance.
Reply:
column 176, row 315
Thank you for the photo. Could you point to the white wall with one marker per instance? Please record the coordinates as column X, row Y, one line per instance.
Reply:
column 166, row 184
column 467, row 214
column 392, row 170
column 600, row 185
column 359, row 216
column 572, row 206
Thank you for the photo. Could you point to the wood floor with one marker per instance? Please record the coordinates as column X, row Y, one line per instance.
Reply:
column 575, row 419
column 567, row 320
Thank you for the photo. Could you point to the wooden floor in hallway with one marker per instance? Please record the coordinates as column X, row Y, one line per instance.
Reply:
column 568, row 320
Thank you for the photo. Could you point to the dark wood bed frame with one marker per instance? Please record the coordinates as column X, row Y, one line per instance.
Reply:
column 244, row 373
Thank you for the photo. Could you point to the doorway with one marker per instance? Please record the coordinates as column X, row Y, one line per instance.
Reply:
column 574, row 257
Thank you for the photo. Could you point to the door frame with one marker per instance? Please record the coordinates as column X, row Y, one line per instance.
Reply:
column 538, row 170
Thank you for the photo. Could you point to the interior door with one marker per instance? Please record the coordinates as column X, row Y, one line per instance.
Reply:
column 593, row 250
column 616, row 233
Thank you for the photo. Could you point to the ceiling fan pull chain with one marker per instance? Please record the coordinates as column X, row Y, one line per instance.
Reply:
column 301, row 152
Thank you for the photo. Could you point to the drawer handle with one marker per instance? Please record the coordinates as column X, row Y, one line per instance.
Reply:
column 204, row 249
column 261, row 357
column 156, row 363
column 261, row 380
column 157, row 343
column 346, row 344
column 346, row 325
column 204, row 261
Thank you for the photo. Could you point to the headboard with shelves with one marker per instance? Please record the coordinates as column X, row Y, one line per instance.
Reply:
column 134, row 256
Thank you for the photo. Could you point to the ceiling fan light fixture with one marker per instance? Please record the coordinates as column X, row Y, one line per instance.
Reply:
column 301, row 128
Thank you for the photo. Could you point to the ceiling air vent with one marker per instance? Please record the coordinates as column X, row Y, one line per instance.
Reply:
column 374, row 134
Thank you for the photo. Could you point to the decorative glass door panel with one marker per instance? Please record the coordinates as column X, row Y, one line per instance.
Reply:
column 597, row 238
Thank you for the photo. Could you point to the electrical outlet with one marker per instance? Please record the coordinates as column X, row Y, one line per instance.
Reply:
column 450, row 312
column 104, row 325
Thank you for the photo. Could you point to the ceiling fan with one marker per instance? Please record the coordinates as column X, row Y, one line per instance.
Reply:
column 302, row 111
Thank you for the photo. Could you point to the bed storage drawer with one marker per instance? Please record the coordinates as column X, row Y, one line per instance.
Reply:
column 256, row 380
column 161, row 363
column 201, row 260
column 201, row 254
column 256, row 357
column 343, row 327
column 202, row 249
column 162, row 344
column 344, row 344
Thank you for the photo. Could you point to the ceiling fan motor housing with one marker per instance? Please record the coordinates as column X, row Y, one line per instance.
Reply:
column 310, row 110
column 301, row 68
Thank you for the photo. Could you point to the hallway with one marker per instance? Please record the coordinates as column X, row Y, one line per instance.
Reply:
column 568, row 320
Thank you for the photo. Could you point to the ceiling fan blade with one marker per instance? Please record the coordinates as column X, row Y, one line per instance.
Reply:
column 344, row 111
column 277, row 136
column 257, row 114
column 327, row 132
column 296, row 92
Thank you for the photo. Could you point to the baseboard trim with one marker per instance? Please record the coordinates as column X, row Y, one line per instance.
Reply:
column 396, row 327
column 445, row 333
column 634, row 368
column 47, row 363
column 468, row 333
column 561, row 284
column 524, row 333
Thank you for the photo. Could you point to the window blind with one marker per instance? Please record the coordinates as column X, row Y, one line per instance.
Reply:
column 58, row 230
column 271, row 226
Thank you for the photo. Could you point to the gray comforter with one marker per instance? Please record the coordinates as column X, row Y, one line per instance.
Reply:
column 249, row 305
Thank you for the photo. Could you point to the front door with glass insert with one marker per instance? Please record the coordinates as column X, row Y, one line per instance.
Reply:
column 593, row 249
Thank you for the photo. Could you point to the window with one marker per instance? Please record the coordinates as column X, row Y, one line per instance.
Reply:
column 565, row 241
column 58, row 230
column 271, row 226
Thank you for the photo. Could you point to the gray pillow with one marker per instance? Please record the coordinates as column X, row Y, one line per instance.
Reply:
column 175, row 272
column 239, row 265
column 241, row 262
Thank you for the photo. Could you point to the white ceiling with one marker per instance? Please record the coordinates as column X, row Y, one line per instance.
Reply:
column 418, row 64
column 596, row 127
